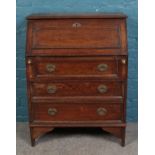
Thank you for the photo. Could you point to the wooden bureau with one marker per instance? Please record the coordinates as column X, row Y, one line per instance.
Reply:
column 77, row 72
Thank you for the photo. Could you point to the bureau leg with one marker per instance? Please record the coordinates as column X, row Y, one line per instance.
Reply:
column 32, row 137
column 123, row 137
column 32, row 142
column 36, row 132
column 118, row 132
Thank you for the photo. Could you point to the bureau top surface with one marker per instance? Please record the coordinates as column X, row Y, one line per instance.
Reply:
column 73, row 15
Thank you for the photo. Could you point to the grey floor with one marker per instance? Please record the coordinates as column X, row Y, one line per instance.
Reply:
column 77, row 141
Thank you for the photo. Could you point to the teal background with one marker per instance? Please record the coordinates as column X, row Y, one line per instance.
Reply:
column 26, row 7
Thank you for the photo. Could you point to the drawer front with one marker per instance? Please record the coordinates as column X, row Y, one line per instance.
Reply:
column 76, row 33
column 77, row 89
column 76, row 112
column 68, row 67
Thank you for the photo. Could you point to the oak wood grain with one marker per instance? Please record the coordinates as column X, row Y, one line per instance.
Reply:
column 76, row 66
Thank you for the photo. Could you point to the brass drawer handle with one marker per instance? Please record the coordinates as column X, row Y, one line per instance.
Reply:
column 102, row 67
column 76, row 25
column 50, row 67
column 101, row 111
column 102, row 88
column 123, row 61
column 52, row 111
column 51, row 89
column 29, row 61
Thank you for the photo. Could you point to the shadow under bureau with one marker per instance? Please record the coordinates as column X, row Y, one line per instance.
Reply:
column 76, row 72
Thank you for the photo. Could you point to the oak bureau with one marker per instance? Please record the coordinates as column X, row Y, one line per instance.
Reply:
column 76, row 68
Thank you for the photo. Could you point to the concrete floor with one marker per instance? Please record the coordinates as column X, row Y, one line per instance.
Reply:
column 77, row 141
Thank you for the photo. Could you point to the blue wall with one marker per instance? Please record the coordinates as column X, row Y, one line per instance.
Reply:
column 26, row 7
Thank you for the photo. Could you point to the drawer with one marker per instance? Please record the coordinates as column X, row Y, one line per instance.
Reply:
column 77, row 89
column 76, row 33
column 83, row 67
column 76, row 112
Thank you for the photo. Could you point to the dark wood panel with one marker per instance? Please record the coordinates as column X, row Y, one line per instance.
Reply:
column 83, row 124
column 55, row 67
column 75, row 52
column 76, row 112
column 76, row 33
column 42, row 16
column 79, row 99
column 65, row 86
column 51, row 68
column 102, row 34
column 77, row 88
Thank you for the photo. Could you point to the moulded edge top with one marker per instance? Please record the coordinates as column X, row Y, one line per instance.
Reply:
column 73, row 15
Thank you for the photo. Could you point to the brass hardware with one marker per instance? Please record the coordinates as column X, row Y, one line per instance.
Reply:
column 102, row 88
column 29, row 61
column 123, row 61
column 52, row 111
column 76, row 25
column 102, row 67
column 51, row 89
column 50, row 67
column 101, row 111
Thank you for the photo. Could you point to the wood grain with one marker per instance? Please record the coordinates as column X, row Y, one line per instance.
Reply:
column 65, row 85
column 76, row 112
